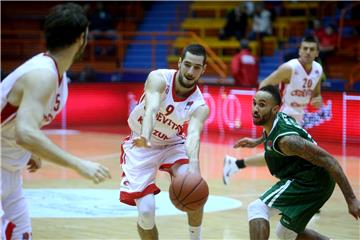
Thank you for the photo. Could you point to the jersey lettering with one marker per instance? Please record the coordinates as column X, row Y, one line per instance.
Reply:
column 48, row 118
column 307, row 83
column 298, row 105
column 169, row 109
column 301, row 93
column 57, row 102
column 140, row 119
column 160, row 117
column 160, row 135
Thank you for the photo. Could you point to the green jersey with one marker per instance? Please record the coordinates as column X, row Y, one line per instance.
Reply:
column 303, row 188
column 280, row 165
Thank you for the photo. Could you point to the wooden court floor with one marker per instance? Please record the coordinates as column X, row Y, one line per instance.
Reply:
column 246, row 186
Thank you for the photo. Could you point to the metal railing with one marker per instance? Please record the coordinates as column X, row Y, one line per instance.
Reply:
column 24, row 42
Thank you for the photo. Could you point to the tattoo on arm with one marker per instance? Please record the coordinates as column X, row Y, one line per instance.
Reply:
column 298, row 146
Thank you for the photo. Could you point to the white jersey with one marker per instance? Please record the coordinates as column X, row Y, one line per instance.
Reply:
column 173, row 114
column 297, row 93
column 13, row 156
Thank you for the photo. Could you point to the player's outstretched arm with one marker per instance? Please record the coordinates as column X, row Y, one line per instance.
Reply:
column 192, row 143
column 281, row 75
column 295, row 145
column 35, row 89
column 248, row 142
column 154, row 86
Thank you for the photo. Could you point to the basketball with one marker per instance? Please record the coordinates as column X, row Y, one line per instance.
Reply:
column 188, row 192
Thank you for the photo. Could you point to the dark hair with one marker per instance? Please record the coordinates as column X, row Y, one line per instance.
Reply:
column 63, row 25
column 274, row 91
column 244, row 44
column 312, row 39
column 195, row 49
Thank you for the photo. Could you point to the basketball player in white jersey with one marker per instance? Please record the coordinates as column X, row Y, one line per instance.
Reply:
column 31, row 96
column 157, row 141
column 301, row 78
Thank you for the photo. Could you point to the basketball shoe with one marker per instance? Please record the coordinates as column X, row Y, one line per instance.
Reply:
column 230, row 168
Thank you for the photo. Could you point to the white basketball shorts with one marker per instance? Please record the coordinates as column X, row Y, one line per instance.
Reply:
column 140, row 166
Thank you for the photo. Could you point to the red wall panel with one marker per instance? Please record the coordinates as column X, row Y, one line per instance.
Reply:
column 230, row 110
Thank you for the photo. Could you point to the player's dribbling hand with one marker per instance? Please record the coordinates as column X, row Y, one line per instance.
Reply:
column 141, row 142
column 94, row 171
column 354, row 208
column 34, row 164
column 246, row 142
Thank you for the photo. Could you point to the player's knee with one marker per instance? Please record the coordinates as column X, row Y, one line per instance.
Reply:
column 146, row 208
column 147, row 219
column 284, row 233
column 258, row 209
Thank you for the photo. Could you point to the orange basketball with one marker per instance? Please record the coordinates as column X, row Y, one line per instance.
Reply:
column 188, row 192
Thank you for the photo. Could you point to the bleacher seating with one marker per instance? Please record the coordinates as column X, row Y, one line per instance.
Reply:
column 207, row 19
column 347, row 56
column 284, row 27
column 22, row 35
column 204, row 27
column 211, row 9
column 301, row 8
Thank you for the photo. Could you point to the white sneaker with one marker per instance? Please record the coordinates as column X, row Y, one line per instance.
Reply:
column 230, row 168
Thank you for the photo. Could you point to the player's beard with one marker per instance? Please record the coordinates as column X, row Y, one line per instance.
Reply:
column 262, row 120
column 184, row 84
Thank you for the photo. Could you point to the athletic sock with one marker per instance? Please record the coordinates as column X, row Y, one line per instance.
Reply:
column 240, row 163
column 195, row 233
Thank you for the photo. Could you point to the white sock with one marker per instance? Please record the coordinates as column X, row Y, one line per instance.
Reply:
column 195, row 233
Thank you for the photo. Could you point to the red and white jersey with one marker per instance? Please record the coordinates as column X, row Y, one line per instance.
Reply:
column 297, row 94
column 173, row 114
column 13, row 156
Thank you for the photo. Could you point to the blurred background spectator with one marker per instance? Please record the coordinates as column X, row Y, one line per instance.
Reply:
column 261, row 25
column 236, row 23
column 262, row 22
column 102, row 26
column 327, row 42
column 317, row 28
column 245, row 67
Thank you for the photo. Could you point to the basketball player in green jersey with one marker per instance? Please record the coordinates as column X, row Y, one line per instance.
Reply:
column 296, row 96
column 307, row 174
